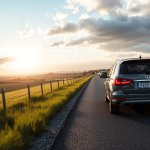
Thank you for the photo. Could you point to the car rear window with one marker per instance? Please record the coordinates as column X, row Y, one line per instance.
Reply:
column 135, row 67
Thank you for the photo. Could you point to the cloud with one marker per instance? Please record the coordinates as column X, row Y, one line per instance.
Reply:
column 133, row 29
column 24, row 33
column 54, row 44
column 138, row 8
column 64, row 28
column 59, row 16
column 40, row 31
column 46, row 14
column 101, row 6
column 132, row 34
column 71, row 7
column 111, row 7
column 4, row 60
column 75, row 11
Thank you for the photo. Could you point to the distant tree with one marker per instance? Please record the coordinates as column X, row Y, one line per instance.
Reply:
column 84, row 73
column 93, row 72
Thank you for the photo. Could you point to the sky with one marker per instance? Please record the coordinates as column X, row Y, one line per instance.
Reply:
column 42, row 36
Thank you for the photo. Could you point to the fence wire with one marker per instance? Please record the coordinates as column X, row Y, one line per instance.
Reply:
column 17, row 97
column 46, row 87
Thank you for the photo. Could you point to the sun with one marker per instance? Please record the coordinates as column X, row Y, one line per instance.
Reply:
column 25, row 59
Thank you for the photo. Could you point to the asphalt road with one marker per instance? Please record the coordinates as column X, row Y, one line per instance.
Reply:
column 90, row 126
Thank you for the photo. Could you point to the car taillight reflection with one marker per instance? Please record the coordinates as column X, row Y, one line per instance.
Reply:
column 122, row 81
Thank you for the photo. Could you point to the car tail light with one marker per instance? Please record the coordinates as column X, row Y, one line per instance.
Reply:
column 120, row 98
column 120, row 81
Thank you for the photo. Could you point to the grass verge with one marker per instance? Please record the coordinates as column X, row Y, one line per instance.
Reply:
column 17, row 128
column 19, row 98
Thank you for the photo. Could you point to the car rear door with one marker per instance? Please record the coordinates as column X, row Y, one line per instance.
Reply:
column 109, row 80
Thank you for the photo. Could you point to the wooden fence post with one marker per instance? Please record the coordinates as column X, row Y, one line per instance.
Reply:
column 41, row 89
column 4, row 102
column 58, row 84
column 28, row 92
column 63, row 81
column 67, row 81
column 70, row 80
column 51, row 85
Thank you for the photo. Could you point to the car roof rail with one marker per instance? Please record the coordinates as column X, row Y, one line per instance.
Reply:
column 120, row 59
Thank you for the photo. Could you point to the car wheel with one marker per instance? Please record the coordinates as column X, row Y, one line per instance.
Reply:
column 106, row 99
column 112, row 108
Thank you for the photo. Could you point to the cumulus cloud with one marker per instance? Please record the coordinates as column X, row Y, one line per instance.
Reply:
column 59, row 16
column 133, row 29
column 4, row 60
column 24, row 33
column 111, row 7
column 138, row 8
column 76, row 10
column 64, row 28
column 110, row 35
column 101, row 6
column 72, row 7
column 126, row 29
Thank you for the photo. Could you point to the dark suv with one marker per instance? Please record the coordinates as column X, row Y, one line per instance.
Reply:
column 128, row 83
column 103, row 74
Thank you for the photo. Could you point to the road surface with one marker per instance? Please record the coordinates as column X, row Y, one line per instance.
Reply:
column 90, row 126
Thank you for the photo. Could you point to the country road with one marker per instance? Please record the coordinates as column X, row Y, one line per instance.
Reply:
column 90, row 126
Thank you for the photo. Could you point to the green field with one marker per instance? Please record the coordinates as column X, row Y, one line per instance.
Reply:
column 22, row 123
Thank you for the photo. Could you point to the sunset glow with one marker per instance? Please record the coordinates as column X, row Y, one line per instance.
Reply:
column 25, row 59
column 71, row 34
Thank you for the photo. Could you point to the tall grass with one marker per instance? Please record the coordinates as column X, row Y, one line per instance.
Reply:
column 18, row 127
column 19, row 98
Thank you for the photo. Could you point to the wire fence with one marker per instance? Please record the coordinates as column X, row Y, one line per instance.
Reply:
column 13, row 97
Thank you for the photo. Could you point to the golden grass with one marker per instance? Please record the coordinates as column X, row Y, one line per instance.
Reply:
column 18, row 127
column 19, row 98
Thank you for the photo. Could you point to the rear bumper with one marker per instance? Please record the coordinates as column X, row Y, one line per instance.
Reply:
column 130, row 99
column 129, row 102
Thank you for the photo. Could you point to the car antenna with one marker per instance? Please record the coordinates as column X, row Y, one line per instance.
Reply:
column 140, row 57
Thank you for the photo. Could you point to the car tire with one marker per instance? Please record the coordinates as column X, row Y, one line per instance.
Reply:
column 113, row 109
column 106, row 99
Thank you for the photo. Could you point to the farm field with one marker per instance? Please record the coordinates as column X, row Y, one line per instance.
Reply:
column 22, row 85
column 19, row 98
column 18, row 127
column 14, row 83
